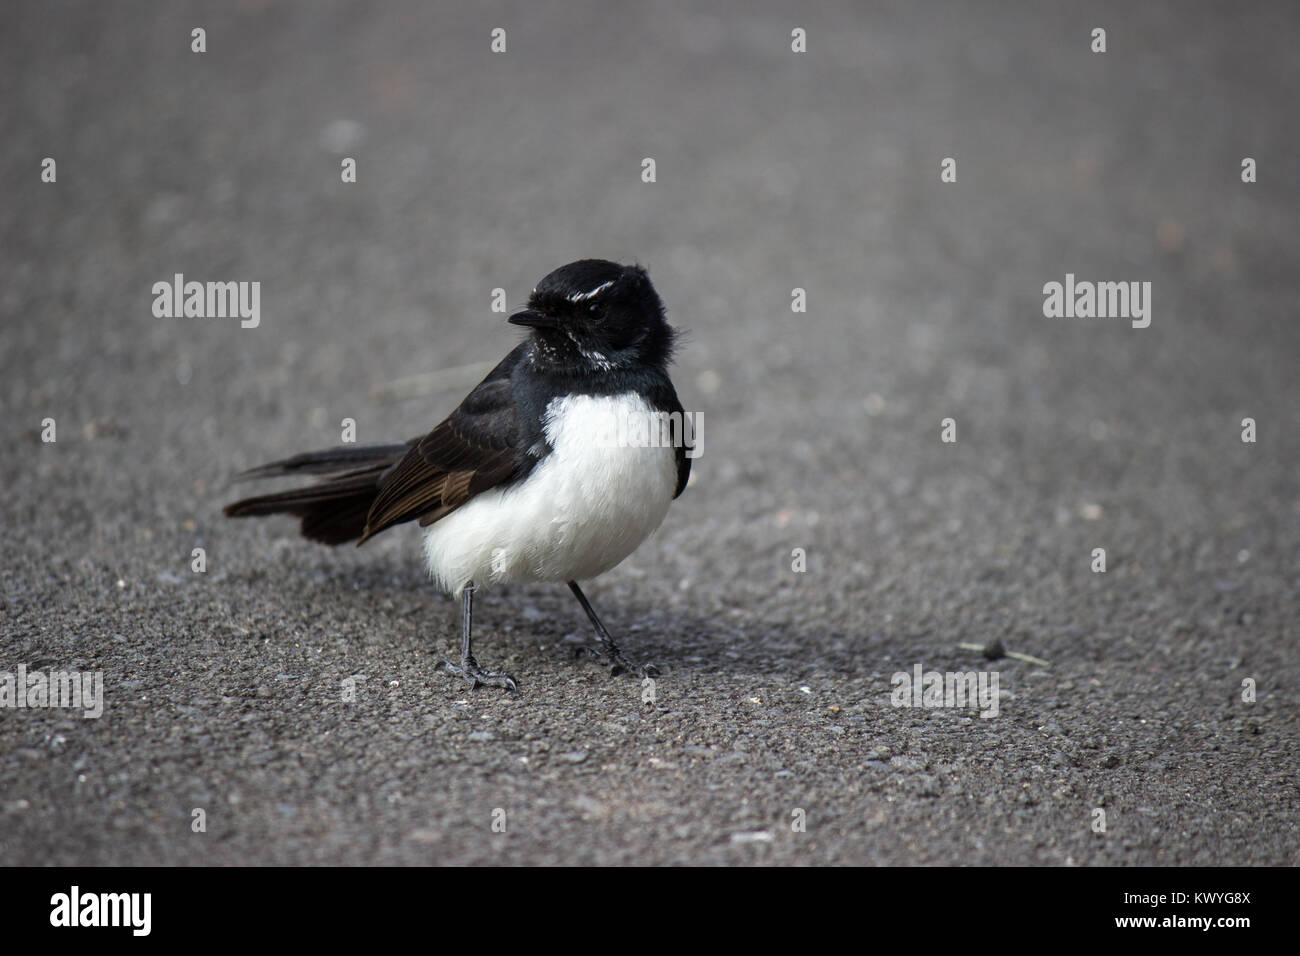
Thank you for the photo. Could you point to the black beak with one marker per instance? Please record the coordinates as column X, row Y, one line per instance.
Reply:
column 533, row 319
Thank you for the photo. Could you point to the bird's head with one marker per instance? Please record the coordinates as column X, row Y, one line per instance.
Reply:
column 594, row 316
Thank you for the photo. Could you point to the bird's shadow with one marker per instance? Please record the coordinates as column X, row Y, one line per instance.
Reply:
column 522, row 619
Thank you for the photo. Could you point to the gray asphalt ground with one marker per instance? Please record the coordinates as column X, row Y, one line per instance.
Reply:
column 775, row 170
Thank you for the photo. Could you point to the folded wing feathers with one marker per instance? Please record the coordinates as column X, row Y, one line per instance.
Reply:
column 439, row 475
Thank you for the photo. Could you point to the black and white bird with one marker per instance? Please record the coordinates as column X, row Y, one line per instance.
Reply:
column 531, row 478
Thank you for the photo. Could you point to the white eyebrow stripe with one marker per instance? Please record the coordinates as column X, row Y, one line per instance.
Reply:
column 584, row 296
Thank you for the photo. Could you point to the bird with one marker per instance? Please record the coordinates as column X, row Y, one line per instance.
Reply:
column 554, row 468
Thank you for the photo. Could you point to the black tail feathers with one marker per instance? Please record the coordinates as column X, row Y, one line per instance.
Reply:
column 334, row 510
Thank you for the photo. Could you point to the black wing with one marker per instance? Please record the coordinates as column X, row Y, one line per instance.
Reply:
column 476, row 448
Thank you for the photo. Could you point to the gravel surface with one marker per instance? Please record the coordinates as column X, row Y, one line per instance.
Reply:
column 771, row 736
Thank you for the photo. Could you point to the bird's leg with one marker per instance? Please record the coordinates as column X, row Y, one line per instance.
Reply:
column 618, row 661
column 468, row 667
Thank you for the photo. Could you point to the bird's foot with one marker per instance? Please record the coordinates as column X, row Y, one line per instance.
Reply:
column 469, row 669
column 618, row 664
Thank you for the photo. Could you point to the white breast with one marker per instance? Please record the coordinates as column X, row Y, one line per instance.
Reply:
column 582, row 509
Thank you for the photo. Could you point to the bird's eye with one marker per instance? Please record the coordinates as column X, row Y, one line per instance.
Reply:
column 593, row 309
